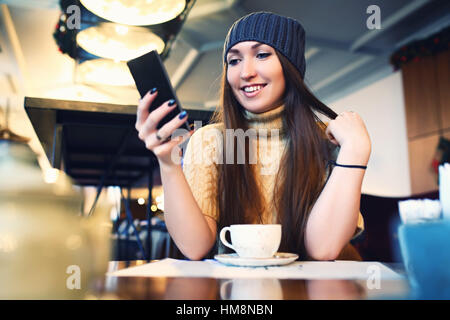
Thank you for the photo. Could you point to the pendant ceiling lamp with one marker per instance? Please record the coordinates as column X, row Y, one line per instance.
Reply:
column 105, row 71
column 111, row 32
column 136, row 12
column 119, row 42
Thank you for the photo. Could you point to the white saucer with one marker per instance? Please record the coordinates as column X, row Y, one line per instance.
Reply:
column 280, row 258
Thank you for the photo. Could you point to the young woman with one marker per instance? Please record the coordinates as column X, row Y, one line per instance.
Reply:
column 291, row 182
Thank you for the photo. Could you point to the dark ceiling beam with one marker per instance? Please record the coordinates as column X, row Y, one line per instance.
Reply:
column 359, row 78
column 358, row 45
column 342, row 72
column 330, row 44
column 211, row 8
column 197, row 48
column 433, row 27
column 185, row 67
column 387, row 23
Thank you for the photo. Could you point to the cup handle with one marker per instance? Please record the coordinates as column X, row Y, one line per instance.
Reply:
column 222, row 237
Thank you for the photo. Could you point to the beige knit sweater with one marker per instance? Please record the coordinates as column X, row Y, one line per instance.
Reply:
column 203, row 152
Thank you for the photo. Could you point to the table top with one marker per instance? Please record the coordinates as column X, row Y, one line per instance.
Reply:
column 191, row 288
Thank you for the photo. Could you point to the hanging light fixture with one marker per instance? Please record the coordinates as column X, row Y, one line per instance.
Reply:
column 136, row 12
column 114, row 31
column 119, row 42
column 105, row 71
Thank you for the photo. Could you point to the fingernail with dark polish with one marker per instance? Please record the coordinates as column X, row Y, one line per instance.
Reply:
column 171, row 102
column 153, row 91
column 182, row 115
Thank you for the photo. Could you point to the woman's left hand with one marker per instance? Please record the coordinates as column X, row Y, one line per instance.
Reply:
column 349, row 132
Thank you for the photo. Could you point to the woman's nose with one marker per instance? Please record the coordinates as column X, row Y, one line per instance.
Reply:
column 248, row 70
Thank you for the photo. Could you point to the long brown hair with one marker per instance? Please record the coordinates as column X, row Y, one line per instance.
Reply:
column 302, row 169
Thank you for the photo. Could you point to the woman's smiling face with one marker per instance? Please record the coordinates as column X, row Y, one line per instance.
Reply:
column 255, row 76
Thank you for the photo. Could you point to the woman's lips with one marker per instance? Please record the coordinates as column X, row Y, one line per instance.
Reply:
column 256, row 89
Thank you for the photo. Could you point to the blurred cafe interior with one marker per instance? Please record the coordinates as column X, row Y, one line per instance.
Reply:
column 75, row 180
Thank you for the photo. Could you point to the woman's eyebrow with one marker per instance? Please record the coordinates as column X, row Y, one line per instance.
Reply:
column 256, row 45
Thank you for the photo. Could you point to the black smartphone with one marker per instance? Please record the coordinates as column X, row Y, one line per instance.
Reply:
column 148, row 72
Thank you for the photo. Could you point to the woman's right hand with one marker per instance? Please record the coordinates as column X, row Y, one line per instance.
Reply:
column 155, row 139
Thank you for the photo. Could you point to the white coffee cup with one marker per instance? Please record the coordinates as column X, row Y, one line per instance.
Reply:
column 253, row 240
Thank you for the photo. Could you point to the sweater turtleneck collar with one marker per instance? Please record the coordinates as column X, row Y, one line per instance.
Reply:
column 272, row 119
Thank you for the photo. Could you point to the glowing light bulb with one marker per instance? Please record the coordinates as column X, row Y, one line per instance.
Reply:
column 136, row 12
column 121, row 43
column 122, row 30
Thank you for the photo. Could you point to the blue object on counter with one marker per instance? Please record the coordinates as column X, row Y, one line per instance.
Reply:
column 425, row 249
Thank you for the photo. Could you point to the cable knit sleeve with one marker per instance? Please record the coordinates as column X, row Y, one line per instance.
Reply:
column 200, row 167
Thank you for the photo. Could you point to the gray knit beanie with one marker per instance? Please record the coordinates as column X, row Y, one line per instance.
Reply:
column 281, row 33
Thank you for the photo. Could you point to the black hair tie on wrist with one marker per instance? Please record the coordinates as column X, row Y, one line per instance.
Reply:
column 346, row 165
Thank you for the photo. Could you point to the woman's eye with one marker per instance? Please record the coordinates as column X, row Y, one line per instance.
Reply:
column 232, row 62
column 262, row 55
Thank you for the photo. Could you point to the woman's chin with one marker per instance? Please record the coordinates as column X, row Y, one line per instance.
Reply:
column 260, row 108
column 253, row 109
column 254, row 106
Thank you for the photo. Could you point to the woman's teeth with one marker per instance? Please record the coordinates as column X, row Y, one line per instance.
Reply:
column 253, row 88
